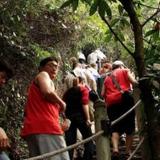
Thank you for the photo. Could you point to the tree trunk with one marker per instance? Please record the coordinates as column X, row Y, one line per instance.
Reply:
column 152, row 127
column 151, row 139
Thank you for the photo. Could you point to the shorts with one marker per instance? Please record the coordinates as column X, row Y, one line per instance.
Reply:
column 127, row 124
column 44, row 143
column 4, row 156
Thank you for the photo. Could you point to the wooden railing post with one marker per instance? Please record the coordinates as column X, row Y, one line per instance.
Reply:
column 103, row 151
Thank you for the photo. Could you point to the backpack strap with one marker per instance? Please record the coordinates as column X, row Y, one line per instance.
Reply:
column 73, row 74
column 116, row 83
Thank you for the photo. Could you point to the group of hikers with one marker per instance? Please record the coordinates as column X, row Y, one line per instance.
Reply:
column 44, row 131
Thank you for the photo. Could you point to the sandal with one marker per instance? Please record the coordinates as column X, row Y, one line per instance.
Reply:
column 115, row 156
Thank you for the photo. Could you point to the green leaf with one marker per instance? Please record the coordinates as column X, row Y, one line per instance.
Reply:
column 120, row 9
column 150, row 32
column 87, row 1
column 156, row 36
column 108, row 10
column 102, row 8
column 75, row 4
column 125, row 22
column 108, row 37
column 66, row 4
column 121, row 36
column 114, row 21
column 93, row 8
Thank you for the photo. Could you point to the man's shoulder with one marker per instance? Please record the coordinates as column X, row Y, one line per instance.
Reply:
column 42, row 74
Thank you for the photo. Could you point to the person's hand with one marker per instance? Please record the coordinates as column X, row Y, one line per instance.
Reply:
column 4, row 141
column 66, row 124
column 89, row 123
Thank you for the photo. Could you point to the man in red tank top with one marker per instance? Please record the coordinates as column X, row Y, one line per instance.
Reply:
column 41, row 126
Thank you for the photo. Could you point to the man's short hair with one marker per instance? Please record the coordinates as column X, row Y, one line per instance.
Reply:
column 44, row 61
column 73, row 61
column 81, row 79
column 5, row 67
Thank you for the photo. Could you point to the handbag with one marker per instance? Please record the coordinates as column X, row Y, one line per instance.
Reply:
column 127, row 96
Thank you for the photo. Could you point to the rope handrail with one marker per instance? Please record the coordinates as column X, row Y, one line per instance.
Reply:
column 136, row 149
column 47, row 155
column 51, row 154
column 126, row 113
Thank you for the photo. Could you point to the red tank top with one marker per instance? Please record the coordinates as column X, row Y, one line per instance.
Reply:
column 112, row 94
column 41, row 117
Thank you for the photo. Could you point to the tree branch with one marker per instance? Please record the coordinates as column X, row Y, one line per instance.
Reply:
column 146, row 5
column 107, row 23
column 150, row 17
column 138, row 36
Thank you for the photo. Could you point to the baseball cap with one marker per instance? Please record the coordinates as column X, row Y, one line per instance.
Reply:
column 117, row 63
column 81, row 56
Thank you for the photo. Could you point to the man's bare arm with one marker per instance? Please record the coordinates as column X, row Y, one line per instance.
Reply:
column 131, row 77
column 86, row 113
column 4, row 142
column 44, row 82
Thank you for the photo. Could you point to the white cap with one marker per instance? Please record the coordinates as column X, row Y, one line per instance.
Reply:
column 100, row 54
column 117, row 64
column 81, row 56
